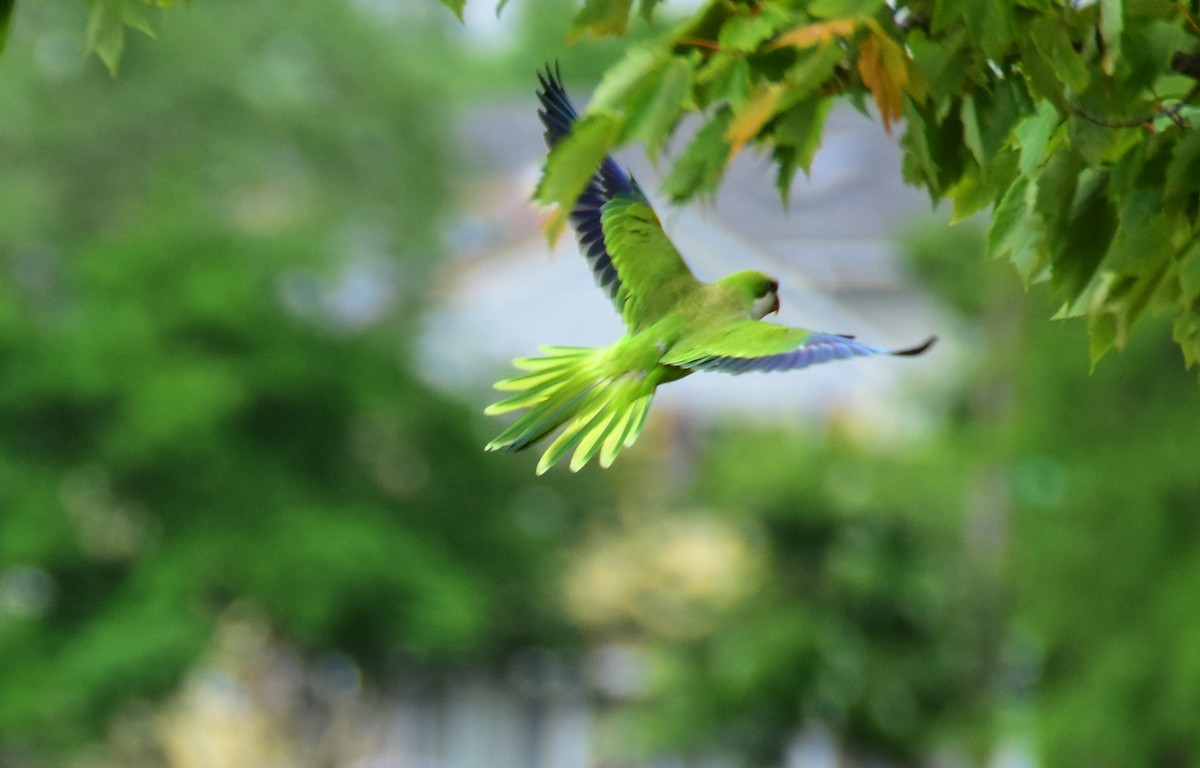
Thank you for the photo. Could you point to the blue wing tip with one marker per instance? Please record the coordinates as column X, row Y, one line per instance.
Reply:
column 551, row 78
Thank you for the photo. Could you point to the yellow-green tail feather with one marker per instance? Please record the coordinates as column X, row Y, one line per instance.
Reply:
column 598, row 412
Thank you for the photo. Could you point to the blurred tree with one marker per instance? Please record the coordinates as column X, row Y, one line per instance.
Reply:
column 1035, row 554
column 1106, row 551
column 872, row 621
column 1094, row 483
column 212, row 268
column 1074, row 120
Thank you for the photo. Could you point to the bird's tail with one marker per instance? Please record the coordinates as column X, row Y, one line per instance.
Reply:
column 570, row 388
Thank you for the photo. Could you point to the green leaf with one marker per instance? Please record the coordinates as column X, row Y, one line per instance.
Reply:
column 813, row 68
column 599, row 18
column 988, row 117
column 797, row 135
column 1128, row 168
column 1137, row 220
column 802, row 126
column 1147, row 49
column 1056, row 192
column 572, row 163
column 940, row 60
column 1087, row 236
column 1032, row 137
column 1141, row 256
column 698, row 170
column 1183, row 173
column 840, row 9
column 1014, row 231
column 707, row 24
column 1102, row 330
column 6, row 9
column 971, row 135
column 1189, row 273
column 1139, row 297
column 946, row 15
column 624, row 78
column 918, row 167
column 646, row 8
column 1186, row 332
column 936, row 154
column 969, row 195
column 1051, row 39
column 106, row 28
column 1095, row 143
column 652, row 117
column 991, row 23
column 650, row 90
column 723, row 78
column 1040, row 76
column 1112, row 21
column 746, row 33
column 456, row 7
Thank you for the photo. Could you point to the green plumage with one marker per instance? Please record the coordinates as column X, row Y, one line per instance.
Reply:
column 653, row 274
column 597, row 399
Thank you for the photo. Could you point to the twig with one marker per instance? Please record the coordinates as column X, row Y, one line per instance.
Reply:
column 699, row 43
column 1172, row 113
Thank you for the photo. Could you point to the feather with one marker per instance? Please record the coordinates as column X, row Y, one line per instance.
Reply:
column 616, row 253
column 753, row 345
column 572, row 390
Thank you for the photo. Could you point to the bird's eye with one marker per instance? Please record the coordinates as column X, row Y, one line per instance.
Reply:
column 769, row 287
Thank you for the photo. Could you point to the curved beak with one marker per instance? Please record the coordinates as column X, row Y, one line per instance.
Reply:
column 777, row 305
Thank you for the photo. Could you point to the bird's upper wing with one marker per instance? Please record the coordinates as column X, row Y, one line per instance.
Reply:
column 753, row 345
column 631, row 257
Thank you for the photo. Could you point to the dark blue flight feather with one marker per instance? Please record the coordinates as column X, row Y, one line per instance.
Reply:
column 609, row 181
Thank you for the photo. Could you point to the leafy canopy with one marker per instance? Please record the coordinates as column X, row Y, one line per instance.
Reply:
column 1072, row 121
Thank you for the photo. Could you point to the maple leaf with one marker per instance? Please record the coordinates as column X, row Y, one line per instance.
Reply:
column 881, row 63
column 752, row 116
column 811, row 34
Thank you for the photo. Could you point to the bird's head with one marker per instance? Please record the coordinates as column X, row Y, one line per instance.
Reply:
column 759, row 291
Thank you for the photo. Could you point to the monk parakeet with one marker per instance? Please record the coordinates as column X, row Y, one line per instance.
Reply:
column 677, row 325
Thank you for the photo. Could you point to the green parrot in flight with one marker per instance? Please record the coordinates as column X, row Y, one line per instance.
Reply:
column 676, row 324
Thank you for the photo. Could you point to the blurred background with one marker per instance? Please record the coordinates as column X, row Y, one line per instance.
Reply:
column 253, row 291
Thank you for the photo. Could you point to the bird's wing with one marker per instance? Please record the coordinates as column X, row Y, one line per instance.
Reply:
column 631, row 257
column 753, row 345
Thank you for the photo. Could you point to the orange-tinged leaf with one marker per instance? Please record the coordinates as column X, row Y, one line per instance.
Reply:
column 752, row 115
column 881, row 62
column 811, row 34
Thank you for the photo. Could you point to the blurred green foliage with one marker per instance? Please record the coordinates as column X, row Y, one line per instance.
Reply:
column 1036, row 554
column 1098, row 477
column 1105, row 564
column 869, row 623
column 210, row 273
